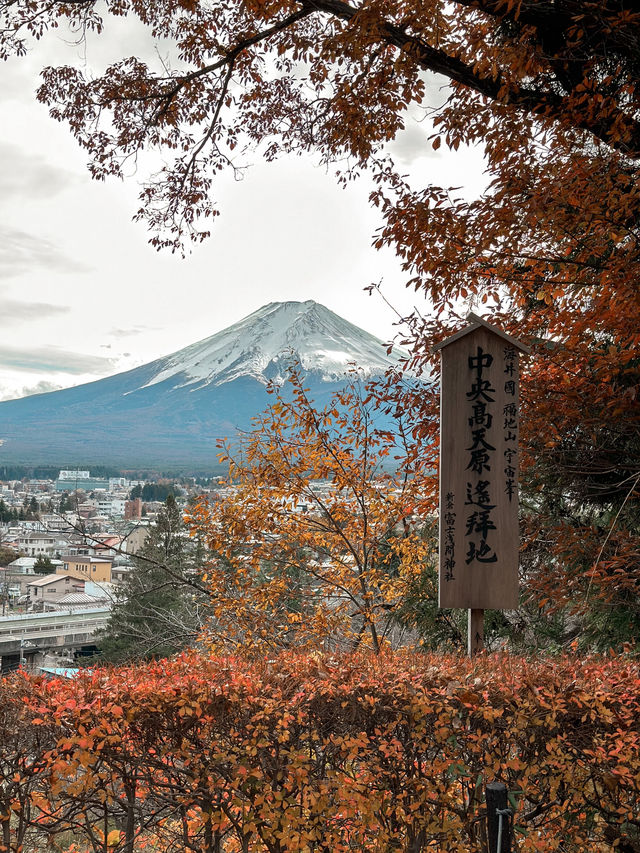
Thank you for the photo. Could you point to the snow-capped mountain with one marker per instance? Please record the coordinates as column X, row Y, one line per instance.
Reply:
column 172, row 411
column 262, row 344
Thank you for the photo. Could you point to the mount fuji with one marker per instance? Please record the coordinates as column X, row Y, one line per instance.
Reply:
column 170, row 413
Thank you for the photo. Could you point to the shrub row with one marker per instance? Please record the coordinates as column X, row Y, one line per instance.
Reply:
column 305, row 753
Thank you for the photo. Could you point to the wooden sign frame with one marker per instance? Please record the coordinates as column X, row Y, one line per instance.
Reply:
column 479, row 423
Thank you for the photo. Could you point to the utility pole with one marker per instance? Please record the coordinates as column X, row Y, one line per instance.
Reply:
column 5, row 592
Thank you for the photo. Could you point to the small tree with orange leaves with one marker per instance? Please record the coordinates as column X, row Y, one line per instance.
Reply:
column 316, row 538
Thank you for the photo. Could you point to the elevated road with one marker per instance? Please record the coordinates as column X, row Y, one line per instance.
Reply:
column 30, row 634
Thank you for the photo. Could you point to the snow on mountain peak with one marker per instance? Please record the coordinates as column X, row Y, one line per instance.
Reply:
column 261, row 345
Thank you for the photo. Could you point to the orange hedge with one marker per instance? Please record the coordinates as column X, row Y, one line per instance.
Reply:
column 307, row 753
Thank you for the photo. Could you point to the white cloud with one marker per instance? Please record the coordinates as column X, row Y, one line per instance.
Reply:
column 21, row 252
column 42, row 387
column 27, row 176
column 126, row 333
column 53, row 359
column 412, row 143
column 15, row 310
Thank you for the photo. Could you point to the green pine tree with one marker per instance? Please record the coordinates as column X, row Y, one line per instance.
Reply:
column 5, row 512
column 66, row 504
column 161, row 605
column 43, row 566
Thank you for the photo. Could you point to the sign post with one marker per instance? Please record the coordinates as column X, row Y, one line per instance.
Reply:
column 479, row 424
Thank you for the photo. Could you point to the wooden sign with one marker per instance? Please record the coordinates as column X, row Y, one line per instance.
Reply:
column 479, row 421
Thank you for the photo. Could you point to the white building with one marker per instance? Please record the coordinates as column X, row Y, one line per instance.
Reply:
column 34, row 543
column 111, row 506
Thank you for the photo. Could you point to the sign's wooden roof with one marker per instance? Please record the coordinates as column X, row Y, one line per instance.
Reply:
column 476, row 322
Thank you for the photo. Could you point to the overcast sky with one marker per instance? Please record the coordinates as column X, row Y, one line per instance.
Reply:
column 83, row 296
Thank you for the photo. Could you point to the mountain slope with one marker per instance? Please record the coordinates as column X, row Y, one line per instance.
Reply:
column 171, row 412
